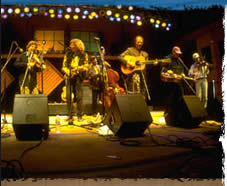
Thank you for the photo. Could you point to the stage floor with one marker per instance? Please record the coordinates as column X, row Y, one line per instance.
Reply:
column 83, row 150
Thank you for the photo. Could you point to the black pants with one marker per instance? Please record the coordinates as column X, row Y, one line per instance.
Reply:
column 74, row 85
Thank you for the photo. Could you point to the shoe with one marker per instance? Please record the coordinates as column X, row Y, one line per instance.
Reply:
column 80, row 119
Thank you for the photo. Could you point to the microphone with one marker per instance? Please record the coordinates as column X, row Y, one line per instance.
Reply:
column 20, row 49
column 97, row 38
column 44, row 42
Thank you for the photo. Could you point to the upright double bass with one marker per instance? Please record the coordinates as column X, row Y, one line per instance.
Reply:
column 112, row 87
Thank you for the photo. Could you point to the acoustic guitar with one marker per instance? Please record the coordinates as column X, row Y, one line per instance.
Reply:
column 138, row 63
column 76, row 70
column 172, row 77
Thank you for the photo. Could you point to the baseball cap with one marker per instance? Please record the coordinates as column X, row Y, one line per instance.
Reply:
column 195, row 55
column 177, row 50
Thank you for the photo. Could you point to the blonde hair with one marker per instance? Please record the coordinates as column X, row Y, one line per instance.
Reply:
column 78, row 44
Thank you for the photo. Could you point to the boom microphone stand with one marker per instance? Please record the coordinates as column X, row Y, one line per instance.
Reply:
column 184, row 78
column 9, row 57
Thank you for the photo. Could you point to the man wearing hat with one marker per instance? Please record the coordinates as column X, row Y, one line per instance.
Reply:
column 199, row 71
column 173, row 73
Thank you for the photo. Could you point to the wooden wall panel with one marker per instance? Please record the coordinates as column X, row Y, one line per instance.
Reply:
column 5, row 75
column 51, row 78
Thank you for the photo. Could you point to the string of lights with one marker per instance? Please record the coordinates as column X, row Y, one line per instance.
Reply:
column 119, row 13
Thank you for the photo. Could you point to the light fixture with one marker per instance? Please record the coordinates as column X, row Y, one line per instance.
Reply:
column 17, row 10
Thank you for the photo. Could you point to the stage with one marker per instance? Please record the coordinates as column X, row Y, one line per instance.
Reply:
column 87, row 149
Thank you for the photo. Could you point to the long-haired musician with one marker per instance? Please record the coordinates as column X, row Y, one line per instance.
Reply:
column 75, row 67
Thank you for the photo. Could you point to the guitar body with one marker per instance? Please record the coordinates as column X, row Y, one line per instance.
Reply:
column 172, row 77
column 166, row 77
column 77, row 70
column 133, row 64
column 139, row 63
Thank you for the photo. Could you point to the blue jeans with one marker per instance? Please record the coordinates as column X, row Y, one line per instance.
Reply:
column 201, row 87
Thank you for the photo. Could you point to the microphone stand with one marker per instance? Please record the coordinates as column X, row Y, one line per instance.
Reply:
column 4, row 84
column 69, row 88
column 41, row 57
column 103, row 71
column 187, row 73
column 26, row 72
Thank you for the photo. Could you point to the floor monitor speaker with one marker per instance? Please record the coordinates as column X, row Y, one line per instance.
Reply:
column 187, row 112
column 128, row 116
column 30, row 117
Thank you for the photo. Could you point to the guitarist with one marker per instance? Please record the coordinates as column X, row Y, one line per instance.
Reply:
column 134, row 80
column 75, row 67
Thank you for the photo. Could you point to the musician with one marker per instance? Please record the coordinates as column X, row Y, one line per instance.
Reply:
column 134, row 80
column 95, row 78
column 30, row 62
column 75, row 67
column 199, row 71
column 175, row 69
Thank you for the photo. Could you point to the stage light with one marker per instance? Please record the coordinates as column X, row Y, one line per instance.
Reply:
column 35, row 9
column 10, row 10
column 139, row 23
column 86, row 12
column 69, row 9
column 93, row 14
column 117, row 15
column 2, row 11
column 158, row 21
column 75, row 17
column 29, row 14
column 77, row 10
column 102, row 13
column 132, row 21
column 5, row 16
column 118, row 19
column 130, row 8
column 125, row 17
column 96, row 16
column 108, row 12
column 45, row 13
column 156, row 25
column 22, row 14
column 138, row 18
column 111, row 18
column 84, row 16
column 132, row 16
column 52, row 15
column 51, row 11
column 163, row 24
column 152, row 20
column 17, row 10
column 60, row 11
column 67, row 16
column 169, row 25
column 59, row 16
column 26, row 9
column 90, row 16
column 167, row 28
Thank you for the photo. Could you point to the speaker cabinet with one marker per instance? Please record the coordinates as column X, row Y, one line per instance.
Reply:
column 128, row 116
column 30, row 117
column 187, row 112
